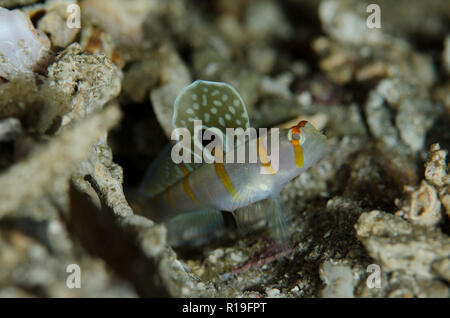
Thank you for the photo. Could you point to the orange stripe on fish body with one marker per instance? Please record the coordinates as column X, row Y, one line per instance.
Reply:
column 223, row 175
column 262, row 154
column 187, row 186
column 169, row 199
column 188, row 189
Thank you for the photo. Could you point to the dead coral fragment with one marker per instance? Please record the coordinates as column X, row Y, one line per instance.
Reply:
column 422, row 205
column 22, row 49
column 414, row 114
column 32, row 178
column 91, row 80
column 436, row 173
column 397, row 245
column 436, row 167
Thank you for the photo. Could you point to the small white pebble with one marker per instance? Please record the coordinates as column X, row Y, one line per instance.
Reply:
column 236, row 257
column 304, row 98
column 54, row 227
column 219, row 252
column 215, row 255
column 272, row 292
column 225, row 277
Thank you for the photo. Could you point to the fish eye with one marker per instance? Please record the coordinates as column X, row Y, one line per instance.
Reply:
column 296, row 135
column 289, row 135
column 293, row 135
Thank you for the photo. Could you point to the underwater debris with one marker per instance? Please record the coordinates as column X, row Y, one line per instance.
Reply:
column 436, row 173
column 89, row 80
column 35, row 257
column 407, row 252
column 422, row 205
column 105, row 175
column 354, row 52
column 345, row 63
column 77, row 84
column 65, row 152
column 414, row 114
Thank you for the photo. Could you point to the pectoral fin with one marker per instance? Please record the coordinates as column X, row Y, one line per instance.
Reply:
column 273, row 211
column 276, row 220
column 195, row 228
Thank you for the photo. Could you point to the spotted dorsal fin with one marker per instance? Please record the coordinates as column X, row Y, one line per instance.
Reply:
column 216, row 104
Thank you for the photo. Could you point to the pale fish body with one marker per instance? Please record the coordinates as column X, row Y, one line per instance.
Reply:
column 189, row 199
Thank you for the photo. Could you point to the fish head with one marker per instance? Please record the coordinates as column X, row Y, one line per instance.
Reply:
column 301, row 146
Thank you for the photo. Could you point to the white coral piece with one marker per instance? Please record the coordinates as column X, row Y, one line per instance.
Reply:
column 22, row 48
